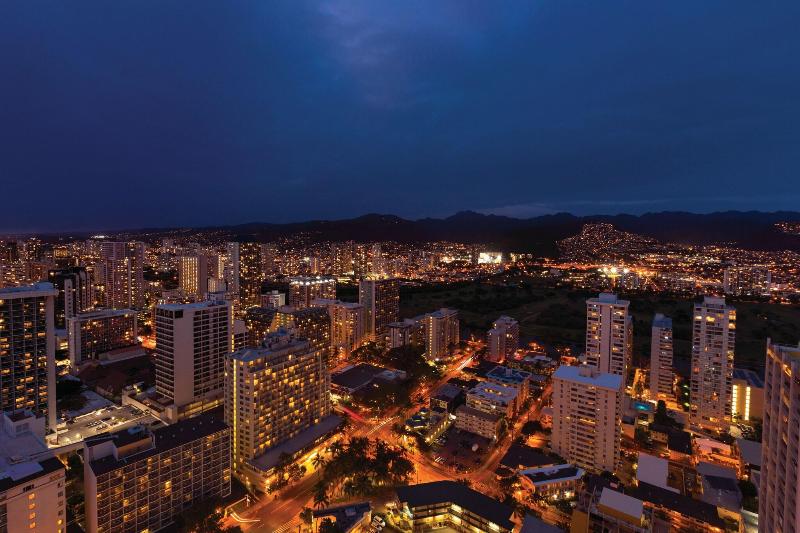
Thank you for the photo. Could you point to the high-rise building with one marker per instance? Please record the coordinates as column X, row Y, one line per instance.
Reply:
column 230, row 271
column 661, row 374
column 305, row 289
column 748, row 395
column 193, row 275
column 347, row 325
column 587, row 415
column 192, row 341
column 609, row 335
column 124, row 274
column 503, row 339
column 258, row 321
column 32, row 481
column 250, row 273
column 441, row 332
column 93, row 334
column 381, row 301
column 778, row 496
column 276, row 401
column 28, row 350
column 713, row 340
column 138, row 479
column 75, row 294
column 311, row 323
column 273, row 300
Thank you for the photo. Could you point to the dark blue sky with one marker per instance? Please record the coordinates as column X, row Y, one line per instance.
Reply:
column 138, row 113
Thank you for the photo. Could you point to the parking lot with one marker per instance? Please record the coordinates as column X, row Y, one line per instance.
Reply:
column 454, row 449
column 105, row 419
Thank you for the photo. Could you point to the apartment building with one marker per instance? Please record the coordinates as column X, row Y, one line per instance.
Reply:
column 277, row 400
column 503, row 339
column 92, row 335
column 713, row 341
column 303, row 290
column 609, row 335
column 587, row 414
column 779, row 499
column 192, row 341
column 661, row 373
column 32, row 481
column 138, row 479
column 27, row 350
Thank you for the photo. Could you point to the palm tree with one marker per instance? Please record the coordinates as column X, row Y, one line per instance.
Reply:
column 336, row 448
column 318, row 461
column 320, row 493
column 307, row 516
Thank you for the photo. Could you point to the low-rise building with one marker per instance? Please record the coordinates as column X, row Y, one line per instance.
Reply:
column 553, row 482
column 478, row 422
column 439, row 504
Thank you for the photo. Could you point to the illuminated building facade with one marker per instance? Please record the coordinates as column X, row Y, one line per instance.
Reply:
column 381, row 301
column 503, row 339
column 747, row 403
column 28, row 350
column 311, row 323
column 661, row 374
column 713, row 341
column 193, row 275
column 779, row 499
column 303, row 290
column 250, row 273
column 347, row 325
column 75, row 294
column 453, row 505
column 123, row 266
column 274, row 394
column 258, row 321
column 587, row 415
column 97, row 332
column 32, row 482
column 138, row 479
column 192, row 341
column 609, row 335
column 441, row 333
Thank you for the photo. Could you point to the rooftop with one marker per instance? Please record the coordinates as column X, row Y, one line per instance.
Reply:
column 471, row 411
column 607, row 298
column 521, row 456
column 679, row 503
column 508, row 375
column 627, row 505
column 604, row 381
column 42, row 288
column 565, row 472
column 531, row 524
column 268, row 460
column 438, row 492
column 750, row 451
column 749, row 377
column 653, row 470
column 356, row 377
column 346, row 515
column 661, row 321
column 165, row 438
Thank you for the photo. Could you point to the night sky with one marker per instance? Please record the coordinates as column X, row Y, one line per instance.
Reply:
column 142, row 113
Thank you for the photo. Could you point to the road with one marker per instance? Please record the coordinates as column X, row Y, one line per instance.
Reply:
column 280, row 513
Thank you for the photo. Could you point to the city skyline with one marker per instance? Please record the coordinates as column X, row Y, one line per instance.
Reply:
column 364, row 105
